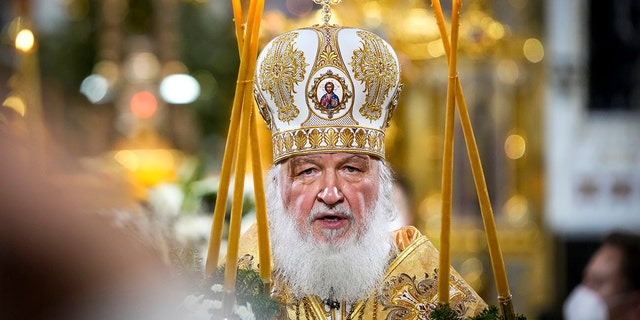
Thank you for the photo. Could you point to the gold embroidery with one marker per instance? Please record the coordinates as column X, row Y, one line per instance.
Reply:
column 301, row 140
column 321, row 139
column 375, row 67
column 346, row 136
column 315, row 138
column 263, row 108
column 408, row 298
column 331, row 136
column 392, row 106
column 283, row 67
column 373, row 140
column 361, row 138
column 328, row 56
column 279, row 144
column 288, row 142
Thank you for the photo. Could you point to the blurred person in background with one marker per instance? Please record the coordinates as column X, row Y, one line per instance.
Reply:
column 610, row 287
column 60, row 260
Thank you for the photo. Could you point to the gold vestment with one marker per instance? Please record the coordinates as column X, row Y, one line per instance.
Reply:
column 409, row 289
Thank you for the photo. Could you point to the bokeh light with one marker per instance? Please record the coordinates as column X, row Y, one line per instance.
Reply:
column 515, row 146
column 533, row 50
column 16, row 103
column 95, row 87
column 143, row 104
column 179, row 89
column 25, row 40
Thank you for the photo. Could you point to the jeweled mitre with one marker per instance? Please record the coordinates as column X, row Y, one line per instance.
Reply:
column 327, row 89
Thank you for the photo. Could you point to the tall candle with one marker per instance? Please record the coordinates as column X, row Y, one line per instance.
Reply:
column 245, row 72
column 447, row 166
column 495, row 253
column 244, row 96
column 236, row 212
column 219, row 212
column 447, row 175
column 238, row 22
column 264, row 250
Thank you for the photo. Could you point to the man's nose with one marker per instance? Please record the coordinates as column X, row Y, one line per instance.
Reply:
column 330, row 192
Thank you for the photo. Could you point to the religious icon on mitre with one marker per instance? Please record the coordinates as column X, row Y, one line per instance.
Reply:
column 330, row 95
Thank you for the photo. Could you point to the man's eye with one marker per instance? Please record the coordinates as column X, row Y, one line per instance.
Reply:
column 306, row 172
column 352, row 169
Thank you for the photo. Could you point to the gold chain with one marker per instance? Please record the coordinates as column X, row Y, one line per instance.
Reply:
column 375, row 308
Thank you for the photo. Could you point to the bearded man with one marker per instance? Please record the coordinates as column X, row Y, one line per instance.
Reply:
column 329, row 193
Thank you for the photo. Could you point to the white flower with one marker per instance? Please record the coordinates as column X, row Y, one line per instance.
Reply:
column 197, row 308
column 216, row 304
column 216, row 287
column 193, row 229
column 245, row 313
column 166, row 200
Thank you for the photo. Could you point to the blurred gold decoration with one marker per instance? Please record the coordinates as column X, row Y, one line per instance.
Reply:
column 25, row 95
column 148, row 158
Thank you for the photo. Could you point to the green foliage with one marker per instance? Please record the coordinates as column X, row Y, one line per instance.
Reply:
column 444, row 312
column 249, row 289
column 186, row 262
column 491, row 312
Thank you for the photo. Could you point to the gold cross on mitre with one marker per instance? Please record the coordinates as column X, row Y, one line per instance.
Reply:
column 326, row 8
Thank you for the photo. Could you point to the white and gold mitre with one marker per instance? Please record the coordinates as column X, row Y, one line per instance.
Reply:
column 327, row 89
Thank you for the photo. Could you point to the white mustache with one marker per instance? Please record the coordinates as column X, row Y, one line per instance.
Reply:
column 321, row 208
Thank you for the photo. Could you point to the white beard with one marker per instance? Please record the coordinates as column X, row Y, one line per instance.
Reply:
column 349, row 270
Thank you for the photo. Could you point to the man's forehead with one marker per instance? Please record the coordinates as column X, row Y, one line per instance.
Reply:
column 320, row 157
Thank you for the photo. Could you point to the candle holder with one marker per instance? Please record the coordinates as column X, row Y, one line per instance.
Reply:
column 506, row 307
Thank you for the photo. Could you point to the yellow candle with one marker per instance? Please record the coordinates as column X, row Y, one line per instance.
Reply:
column 219, row 211
column 243, row 96
column 437, row 9
column 495, row 253
column 238, row 21
column 261, row 211
column 213, row 251
column 447, row 175
column 264, row 249
column 236, row 212
column 245, row 72
column 447, row 166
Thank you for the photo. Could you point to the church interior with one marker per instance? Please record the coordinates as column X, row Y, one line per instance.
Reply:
column 132, row 99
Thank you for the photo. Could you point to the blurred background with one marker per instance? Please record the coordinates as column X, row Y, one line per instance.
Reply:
column 132, row 99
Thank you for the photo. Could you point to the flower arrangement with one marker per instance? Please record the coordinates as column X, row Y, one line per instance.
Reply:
column 252, row 300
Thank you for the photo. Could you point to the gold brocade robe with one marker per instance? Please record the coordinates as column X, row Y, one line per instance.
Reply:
column 409, row 289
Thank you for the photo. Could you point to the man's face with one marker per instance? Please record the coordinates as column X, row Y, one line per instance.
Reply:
column 329, row 87
column 604, row 276
column 330, row 195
